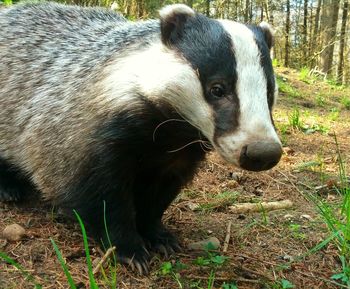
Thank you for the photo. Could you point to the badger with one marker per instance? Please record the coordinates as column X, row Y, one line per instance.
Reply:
column 111, row 118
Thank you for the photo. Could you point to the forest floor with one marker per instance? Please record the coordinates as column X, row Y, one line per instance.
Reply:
column 267, row 249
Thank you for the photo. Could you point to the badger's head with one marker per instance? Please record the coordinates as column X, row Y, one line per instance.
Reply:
column 218, row 76
column 231, row 91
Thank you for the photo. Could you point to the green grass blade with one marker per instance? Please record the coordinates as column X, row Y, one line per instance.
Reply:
column 93, row 284
column 63, row 265
column 211, row 279
column 29, row 277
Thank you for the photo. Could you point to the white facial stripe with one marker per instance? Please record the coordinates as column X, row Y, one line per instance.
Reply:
column 160, row 75
column 251, row 87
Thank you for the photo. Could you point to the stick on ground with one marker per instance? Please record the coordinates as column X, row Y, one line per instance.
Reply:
column 103, row 260
column 228, row 236
column 257, row 207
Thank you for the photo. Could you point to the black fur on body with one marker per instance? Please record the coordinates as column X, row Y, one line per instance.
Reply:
column 81, row 128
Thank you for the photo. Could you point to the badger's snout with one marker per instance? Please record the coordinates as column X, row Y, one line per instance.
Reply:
column 260, row 156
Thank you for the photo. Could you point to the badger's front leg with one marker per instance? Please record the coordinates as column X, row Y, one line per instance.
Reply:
column 104, row 199
column 151, row 201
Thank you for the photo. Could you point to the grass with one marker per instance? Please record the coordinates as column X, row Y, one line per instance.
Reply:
column 219, row 201
column 211, row 260
column 285, row 87
column 304, row 76
column 30, row 278
column 345, row 101
column 71, row 283
column 337, row 219
column 320, row 100
column 294, row 120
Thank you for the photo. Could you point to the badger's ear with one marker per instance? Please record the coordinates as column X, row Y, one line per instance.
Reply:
column 269, row 33
column 172, row 21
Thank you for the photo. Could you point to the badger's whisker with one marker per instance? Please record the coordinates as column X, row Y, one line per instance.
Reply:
column 164, row 122
column 186, row 145
column 206, row 146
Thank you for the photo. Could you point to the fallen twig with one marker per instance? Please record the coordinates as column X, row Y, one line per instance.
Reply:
column 256, row 207
column 228, row 236
column 103, row 260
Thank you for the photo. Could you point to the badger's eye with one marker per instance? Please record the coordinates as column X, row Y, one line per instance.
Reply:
column 217, row 90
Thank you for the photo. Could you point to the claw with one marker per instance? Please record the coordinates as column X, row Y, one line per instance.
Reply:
column 170, row 250
column 177, row 248
column 139, row 267
column 146, row 251
column 162, row 249
column 145, row 268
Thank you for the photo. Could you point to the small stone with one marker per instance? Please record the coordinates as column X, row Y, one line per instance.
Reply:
column 235, row 176
column 288, row 258
column 14, row 232
column 193, row 206
column 288, row 216
column 306, row 217
column 211, row 243
column 210, row 232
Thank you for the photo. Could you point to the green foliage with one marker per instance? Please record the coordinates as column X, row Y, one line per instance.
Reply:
column 27, row 276
column 304, row 75
column 345, row 101
column 231, row 285
column 7, row 2
column 294, row 119
column 334, row 84
column 286, row 88
column 275, row 62
column 210, row 260
column 93, row 284
column 211, row 280
column 315, row 128
column 286, row 284
column 344, row 276
column 63, row 265
column 337, row 219
column 167, row 268
column 219, row 201
column 297, row 232
column 320, row 100
column 334, row 114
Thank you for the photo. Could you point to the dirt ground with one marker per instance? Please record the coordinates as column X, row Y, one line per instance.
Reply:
column 264, row 247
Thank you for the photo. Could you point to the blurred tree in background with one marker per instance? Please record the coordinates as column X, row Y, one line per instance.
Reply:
column 309, row 33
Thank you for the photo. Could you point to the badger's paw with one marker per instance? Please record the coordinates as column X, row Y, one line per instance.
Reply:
column 161, row 241
column 137, row 259
column 8, row 195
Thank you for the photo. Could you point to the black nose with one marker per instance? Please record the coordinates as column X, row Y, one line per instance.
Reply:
column 260, row 156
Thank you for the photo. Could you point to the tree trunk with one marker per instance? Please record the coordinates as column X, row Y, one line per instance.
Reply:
column 190, row 3
column 342, row 42
column 246, row 11
column 305, row 48
column 207, row 10
column 286, row 55
column 315, row 36
column 329, row 22
column 271, row 8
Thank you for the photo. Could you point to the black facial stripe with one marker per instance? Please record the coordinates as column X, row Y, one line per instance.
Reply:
column 208, row 47
column 265, row 61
